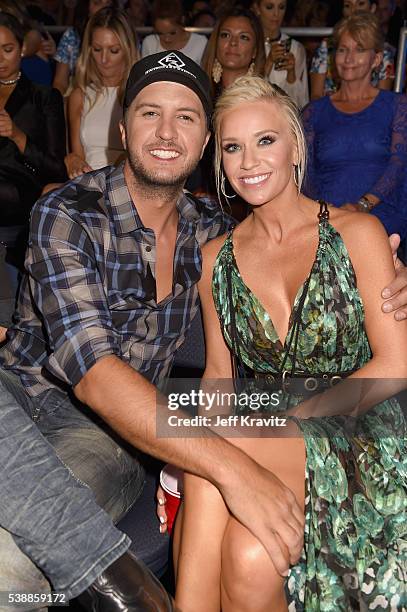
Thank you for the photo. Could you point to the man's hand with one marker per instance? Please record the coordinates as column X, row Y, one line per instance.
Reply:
column 395, row 294
column 269, row 509
column 161, row 513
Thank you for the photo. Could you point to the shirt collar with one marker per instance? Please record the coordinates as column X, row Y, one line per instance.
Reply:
column 124, row 211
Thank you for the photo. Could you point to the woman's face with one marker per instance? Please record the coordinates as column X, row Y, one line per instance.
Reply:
column 236, row 46
column 108, row 54
column 352, row 6
column 138, row 10
column 353, row 61
column 271, row 13
column 96, row 5
column 10, row 54
column 167, row 30
column 258, row 152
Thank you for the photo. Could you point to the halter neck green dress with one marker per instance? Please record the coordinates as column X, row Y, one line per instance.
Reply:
column 355, row 551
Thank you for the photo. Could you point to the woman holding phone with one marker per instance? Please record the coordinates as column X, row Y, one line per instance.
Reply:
column 286, row 64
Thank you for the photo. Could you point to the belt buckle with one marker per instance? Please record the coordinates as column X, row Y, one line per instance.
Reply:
column 284, row 382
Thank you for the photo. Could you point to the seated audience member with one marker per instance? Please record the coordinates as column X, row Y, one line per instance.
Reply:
column 203, row 19
column 357, row 137
column 235, row 48
column 347, row 474
column 40, row 67
column 170, row 35
column 32, row 144
column 138, row 12
column 69, row 45
column 33, row 39
column 109, row 50
column 324, row 78
column 286, row 62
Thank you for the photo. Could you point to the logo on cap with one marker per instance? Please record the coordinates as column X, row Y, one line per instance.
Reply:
column 171, row 61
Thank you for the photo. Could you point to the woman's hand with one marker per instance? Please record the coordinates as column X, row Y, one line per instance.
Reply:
column 8, row 129
column 48, row 46
column 161, row 513
column 75, row 165
column 282, row 59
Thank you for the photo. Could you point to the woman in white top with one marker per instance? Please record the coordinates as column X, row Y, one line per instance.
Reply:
column 109, row 50
column 170, row 34
column 286, row 64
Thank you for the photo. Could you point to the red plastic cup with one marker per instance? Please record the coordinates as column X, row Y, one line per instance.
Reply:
column 171, row 480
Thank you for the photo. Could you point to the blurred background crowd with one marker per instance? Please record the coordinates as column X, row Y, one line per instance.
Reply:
column 64, row 65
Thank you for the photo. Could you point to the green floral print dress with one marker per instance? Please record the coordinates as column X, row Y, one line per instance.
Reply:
column 355, row 551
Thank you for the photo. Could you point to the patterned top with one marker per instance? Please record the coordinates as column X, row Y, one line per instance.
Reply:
column 332, row 337
column 323, row 62
column 91, row 290
column 68, row 49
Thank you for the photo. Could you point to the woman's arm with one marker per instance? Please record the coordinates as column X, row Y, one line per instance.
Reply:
column 43, row 154
column 394, row 172
column 371, row 256
column 61, row 78
column 317, row 80
column 218, row 359
column 65, row 58
column 75, row 160
column 386, row 372
column 319, row 70
column 297, row 88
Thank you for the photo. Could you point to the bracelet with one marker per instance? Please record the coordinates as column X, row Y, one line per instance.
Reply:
column 365, row 205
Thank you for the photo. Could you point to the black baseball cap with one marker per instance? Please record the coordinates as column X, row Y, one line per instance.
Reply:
column 169, row 66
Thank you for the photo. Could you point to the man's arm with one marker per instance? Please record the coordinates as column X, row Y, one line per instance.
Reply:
column 128, row 403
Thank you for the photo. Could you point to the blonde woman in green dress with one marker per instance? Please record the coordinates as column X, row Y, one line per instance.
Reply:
column 296, row 289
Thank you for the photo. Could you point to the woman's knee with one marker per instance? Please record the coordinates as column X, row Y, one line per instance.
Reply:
column 249, row 580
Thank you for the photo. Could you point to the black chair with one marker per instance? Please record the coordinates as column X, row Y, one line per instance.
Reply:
column 141, row 522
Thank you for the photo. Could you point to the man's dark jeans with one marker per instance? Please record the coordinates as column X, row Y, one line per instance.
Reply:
column 56, row 474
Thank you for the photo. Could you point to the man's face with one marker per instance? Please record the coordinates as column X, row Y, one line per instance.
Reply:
column 165, row 134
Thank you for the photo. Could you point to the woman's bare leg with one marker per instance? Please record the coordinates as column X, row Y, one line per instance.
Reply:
column 203, row 521
column 249, row 581
column 219, row 559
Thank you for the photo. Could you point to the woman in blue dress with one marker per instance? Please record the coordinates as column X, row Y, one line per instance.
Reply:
column 357, row 137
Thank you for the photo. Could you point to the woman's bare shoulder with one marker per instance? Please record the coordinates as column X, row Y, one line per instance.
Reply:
column 364, row 236
column 76, row 97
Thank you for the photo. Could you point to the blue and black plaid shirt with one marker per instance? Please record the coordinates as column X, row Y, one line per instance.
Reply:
column 90, row 290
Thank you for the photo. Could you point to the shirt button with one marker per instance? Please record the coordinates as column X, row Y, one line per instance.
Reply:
column 148, row 249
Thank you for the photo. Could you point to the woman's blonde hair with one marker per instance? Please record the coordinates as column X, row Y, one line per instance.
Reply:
column 252, row 89
column 364, row 28
column 211, row 48
column 87, row 74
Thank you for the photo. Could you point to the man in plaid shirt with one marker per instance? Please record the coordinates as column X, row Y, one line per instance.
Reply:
column 113, row 261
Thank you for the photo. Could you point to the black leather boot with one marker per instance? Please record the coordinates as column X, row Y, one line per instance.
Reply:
column 126, row 586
